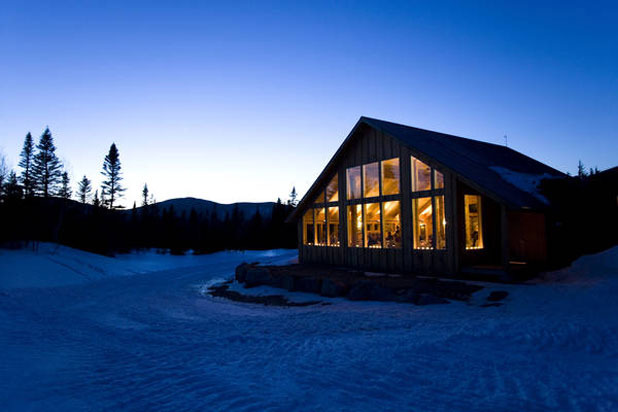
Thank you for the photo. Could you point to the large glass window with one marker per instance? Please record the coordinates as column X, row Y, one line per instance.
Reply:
column 390, row 177
column 308, row 231
column 440, row 222
column 423, row 223
column 354, row 182
column 333, row 226
column 438, row 180
column 371, row 180
column 373, row 229
column 320, row 226
column 355, row 226
column 421, row 176
column 320, row 197
column 392, row 224
column 332, row 190
column 474, row 227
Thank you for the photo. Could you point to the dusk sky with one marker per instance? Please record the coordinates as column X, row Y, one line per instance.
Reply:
column 235, row 101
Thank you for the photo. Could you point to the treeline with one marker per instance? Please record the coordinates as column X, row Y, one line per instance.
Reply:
column 36, row 205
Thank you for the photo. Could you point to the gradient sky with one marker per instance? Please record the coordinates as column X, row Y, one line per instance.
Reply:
column 240, row 101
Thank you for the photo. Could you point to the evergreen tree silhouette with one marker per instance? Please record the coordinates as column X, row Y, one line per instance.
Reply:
column 145, row 198
column 96, row 202
column 293, row 197
column 46, row 168
column 581, row 170
column 12, row 189
column 26, row 162
column 84, row 189
column 111, row 188
column 65, row 191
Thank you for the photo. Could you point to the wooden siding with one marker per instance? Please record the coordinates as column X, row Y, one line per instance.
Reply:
column 371, row 145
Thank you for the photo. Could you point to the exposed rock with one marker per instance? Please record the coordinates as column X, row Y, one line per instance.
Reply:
column 287, row 282
column 427, row 299
column 367, row 290
column 332, row 289
column 308, row 284
column 257, row 276
column 269, row 300
column 241, row 272
column 497, row 295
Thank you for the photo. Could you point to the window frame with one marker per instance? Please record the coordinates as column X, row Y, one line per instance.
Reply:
column 433, row 193
column 380, row 199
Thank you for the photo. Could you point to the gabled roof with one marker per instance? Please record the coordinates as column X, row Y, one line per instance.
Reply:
column 507, row 175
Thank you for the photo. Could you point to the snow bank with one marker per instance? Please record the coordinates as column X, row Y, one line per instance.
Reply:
column 56, row 265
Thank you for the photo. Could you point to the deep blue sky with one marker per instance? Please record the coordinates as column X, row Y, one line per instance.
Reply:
column 240, row 101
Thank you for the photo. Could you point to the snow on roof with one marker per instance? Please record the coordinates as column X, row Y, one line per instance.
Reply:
column 525, row 182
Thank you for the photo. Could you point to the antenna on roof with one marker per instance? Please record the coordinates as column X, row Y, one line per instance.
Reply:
column 506, row 141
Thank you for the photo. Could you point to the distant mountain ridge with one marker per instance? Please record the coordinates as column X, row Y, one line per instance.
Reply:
column 202, row 206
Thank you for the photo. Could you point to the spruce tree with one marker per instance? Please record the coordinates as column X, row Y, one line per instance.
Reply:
column 84, row 189
column 12, row 189
column 26, row 162
column 111, row 188
column 95, row 201
column 65, row 191
column 581, row 170
column 145, row 198
column 293, row 197
column 46, row 167
column 4, row 173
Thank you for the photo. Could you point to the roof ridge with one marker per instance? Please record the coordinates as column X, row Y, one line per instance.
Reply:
column 433, row 131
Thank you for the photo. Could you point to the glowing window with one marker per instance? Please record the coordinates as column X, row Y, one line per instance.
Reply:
column 355, row 226
column 354, row 182
column 390, row 177
column 308, row 229
column 392, row 224
column 373, row 229
column 438, row 179
column 423, row 223
column 440, row 222
column 421, row 176
column 474, row 226
column 332, row 190
column 371, row 180
column 320, row 198
column 333, row 226
column 320, row 226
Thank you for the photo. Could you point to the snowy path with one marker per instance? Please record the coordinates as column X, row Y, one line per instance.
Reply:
column 153, row 342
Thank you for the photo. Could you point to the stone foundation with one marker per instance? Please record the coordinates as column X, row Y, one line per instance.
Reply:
column 354, row 285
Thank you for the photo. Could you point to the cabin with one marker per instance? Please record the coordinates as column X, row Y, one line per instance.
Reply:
column 399, row 199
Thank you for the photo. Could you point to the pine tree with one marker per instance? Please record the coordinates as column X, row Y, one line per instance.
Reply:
column 26, row 162
column 293, row 197
column 65, row 191
column 111, row 188
column 581, row 170
column 84, row 189
column 95, row 201
column 145, row 197
column 12, row 189
column 4, row 173
column 46, row 167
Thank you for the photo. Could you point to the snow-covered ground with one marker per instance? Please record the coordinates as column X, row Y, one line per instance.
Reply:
column 85, row 332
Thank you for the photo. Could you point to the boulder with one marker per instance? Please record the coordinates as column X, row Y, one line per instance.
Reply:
column 367, row 290
column 257, row 276
column 332, row 289
column 497, row 295
column 427, row 299
column 241, row 272
column 287, row 282
column 308, row 284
